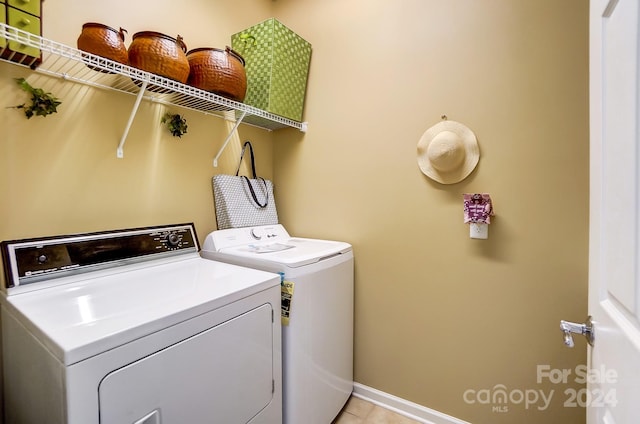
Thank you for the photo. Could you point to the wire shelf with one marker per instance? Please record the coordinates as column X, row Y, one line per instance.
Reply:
column 71, row 64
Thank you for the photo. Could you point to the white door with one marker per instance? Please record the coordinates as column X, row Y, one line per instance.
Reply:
column 613, row 384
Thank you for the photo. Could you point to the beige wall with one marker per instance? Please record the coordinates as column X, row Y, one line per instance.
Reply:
column 60, row 174
column 436, row 313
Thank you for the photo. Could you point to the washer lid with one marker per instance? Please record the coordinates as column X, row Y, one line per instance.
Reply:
column 294, row 252
column 81, row 319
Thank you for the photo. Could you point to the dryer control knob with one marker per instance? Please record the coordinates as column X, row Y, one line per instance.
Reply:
column 256, row 234
column 173, row 240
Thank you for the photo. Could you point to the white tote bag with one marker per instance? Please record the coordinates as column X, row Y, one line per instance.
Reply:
column 241, row 201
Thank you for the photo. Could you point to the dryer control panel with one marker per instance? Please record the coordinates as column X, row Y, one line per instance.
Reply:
column 32, row 260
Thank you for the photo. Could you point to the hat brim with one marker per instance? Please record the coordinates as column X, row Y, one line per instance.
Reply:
column 471, row 157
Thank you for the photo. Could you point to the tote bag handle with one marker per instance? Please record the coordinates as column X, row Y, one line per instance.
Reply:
column 253, row 171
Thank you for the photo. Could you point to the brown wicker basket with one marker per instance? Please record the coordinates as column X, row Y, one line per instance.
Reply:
column 218, row 71
column 159, row 54
column 103, row 41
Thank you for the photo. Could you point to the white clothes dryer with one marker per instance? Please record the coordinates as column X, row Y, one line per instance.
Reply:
column 318, row 340
column 133, row 326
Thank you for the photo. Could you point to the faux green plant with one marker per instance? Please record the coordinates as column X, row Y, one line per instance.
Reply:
column 42, row 103
column 177, row 124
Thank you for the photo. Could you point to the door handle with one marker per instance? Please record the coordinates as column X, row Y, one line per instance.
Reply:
column 568, row 328
column 151, row 418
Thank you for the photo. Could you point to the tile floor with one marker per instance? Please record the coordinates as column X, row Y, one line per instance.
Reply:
column 359, row 411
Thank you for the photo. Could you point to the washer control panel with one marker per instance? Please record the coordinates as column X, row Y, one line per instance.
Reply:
column 233, row 237
column 264, row 233
column 32, row 260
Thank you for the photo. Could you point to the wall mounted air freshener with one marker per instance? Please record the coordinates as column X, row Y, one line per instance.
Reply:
column 478, row 210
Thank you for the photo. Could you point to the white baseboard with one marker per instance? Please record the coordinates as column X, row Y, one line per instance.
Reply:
column 403, row 407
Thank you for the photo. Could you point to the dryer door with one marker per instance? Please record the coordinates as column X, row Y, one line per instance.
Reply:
column 222, row 375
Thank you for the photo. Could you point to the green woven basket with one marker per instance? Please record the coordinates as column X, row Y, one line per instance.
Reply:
column 277, row 66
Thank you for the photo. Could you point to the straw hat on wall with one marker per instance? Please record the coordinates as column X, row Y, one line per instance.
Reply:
column 448, row 152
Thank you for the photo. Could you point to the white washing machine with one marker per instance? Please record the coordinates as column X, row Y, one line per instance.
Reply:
column 318, row 340
column 133, row 326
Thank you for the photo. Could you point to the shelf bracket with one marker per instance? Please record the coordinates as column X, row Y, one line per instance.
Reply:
column 226, row 141
column 120, row 151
